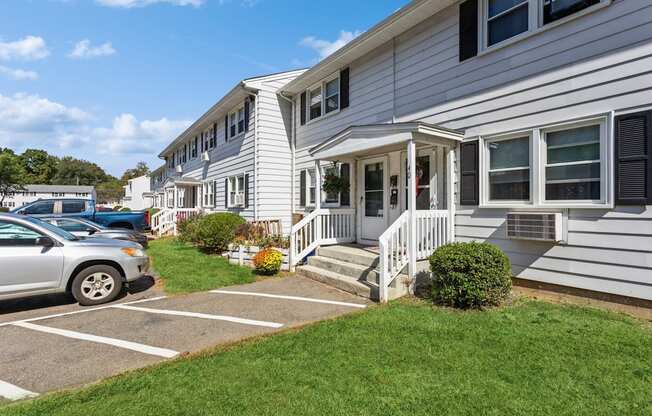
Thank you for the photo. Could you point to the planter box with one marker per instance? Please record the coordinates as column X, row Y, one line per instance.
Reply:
column 243, row 255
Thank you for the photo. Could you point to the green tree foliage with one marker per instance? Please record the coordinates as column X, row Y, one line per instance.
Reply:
column 71, row 171
column 40, row 167
column 12, row 175
column 109, row 191
column 140, row 170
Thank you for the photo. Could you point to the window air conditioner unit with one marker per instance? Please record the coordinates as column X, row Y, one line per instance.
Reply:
column 205, row 157
column 535, row 226
column 240, row 200
column 179, row 169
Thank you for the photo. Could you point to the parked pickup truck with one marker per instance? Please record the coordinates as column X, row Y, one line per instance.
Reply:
column 82, row 208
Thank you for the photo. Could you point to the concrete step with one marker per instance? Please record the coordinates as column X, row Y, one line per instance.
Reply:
column 344, row 268
column 348, row 284
column 351, row 254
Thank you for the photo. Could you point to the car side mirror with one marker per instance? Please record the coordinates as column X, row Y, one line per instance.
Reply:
column 45, row 242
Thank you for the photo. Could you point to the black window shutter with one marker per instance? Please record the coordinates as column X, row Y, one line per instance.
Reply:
column 302, row 189
column 345, row 173
column 344, row 88
column 246, row 190
column 468, row 29
column 469, row 175
column 302, row 108
column 634, row 159
column 226, row 192
column 226, row 128
column 246, row 115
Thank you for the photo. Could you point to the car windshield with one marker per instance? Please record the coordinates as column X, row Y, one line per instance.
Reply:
column 91, row 224
column 52, row 228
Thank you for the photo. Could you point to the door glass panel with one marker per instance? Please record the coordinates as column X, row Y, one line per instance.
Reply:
column 73, row 207
column 374, row 189
column 40, row 208
column 423, row 183
column 16, row 235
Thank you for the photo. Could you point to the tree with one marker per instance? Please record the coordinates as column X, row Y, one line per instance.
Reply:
column 71, row 171
column 40, row 167
column 12, row 175
column 140, row 170
column 110, row 191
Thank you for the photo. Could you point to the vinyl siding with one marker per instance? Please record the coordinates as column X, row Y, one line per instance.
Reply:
column 592, row 65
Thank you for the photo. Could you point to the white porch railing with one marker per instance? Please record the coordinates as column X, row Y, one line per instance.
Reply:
column 322, row 226
column 432, row 230
column 166, row 220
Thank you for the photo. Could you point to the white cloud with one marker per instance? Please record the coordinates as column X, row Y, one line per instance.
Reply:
column 29, row 48
column 128, row 4
column 324, row 47
column 130, row 136
column 84, row 50
column 23, row 113
column 18, row 74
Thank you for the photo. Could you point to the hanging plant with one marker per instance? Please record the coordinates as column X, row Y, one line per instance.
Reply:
column 333, row 183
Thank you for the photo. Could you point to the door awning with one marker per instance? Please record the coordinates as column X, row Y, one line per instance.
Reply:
column 183, row 181
column 382, row 138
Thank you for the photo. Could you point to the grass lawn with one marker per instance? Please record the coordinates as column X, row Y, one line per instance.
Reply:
column 532, row 358
column 185, row 269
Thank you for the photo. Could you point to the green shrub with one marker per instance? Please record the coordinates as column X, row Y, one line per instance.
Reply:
column 125, row 209
column 470, row 275
column 187, row 229
column 4, row 209
column 215, row 232
column 117, row 208
column 268, row 261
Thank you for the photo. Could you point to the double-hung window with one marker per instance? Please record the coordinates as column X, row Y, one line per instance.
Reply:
column 573, row 164
column 193, row 151
column 324, row 98
column 554, row 10
column 506, row 19
column 509, row 169
column 208, row 191
column 236, row 191
column 233, row 124
column 241, row 120
column 560, row 165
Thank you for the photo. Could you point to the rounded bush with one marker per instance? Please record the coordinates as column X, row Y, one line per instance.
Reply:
column 470, row 275
column 268, row 261
column 187, row 229
column 214, row 232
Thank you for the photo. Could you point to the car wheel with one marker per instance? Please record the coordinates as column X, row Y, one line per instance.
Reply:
column 96, row 284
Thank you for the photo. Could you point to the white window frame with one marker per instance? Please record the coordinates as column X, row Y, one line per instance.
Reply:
column 310, row 175
column 241, row 118
column 535, row 23
column 231, row 202
column 208, row 194
column 322, row 84
column 325, row 202
column 233, row 121
column 494, row 139
column 538, row 156
column 194, row 148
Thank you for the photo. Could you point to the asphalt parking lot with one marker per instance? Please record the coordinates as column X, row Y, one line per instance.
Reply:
column 72, row 346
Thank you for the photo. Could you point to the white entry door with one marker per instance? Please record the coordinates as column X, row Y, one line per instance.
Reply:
column 373, row 207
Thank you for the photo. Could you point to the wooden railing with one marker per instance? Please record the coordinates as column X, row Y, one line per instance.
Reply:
column 322, row 226
column 397, row 246
column 269, row 227
column 165, row 221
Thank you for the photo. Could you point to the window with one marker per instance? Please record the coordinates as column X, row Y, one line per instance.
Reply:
column 40, row 208
column 193, row 149
column 12, row 234
column 208, row 191
column 558, row 166
column 506, row 19
column 84, row 194
column 315, row 103
column 73, row 207
column 184, row 154
column 241, row 126
column 236, row 191
column 331, row 197
column 205, row 139
column 509, row 169
column 58, row 194
column 213, row 140
column 423, row 175
column 333, row 95
column 554, row 10
column 74, row 226
column 572, row 168
column 170, row 198
column 233, row 125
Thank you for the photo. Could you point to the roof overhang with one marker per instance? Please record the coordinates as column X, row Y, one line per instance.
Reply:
column 393, row 26
column 358, row 141
column 181, row 182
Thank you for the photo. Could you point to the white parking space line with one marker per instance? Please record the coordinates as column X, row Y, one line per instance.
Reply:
column 134, row 346
column 266, row 295
column 11, row 392
column 201, row 316
column 58, row 315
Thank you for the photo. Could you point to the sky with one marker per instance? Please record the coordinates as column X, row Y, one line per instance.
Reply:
column 114, row 81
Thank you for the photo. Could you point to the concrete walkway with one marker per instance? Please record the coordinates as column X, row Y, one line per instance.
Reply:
column 72, row 346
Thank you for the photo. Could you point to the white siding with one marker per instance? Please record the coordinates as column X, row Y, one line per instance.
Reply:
column 592, row 65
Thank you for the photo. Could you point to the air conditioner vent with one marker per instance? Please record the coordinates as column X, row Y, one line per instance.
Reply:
column 534, row 226
column 205, row 157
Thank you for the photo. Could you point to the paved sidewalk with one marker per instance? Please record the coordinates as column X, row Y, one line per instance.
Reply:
column 72, row 346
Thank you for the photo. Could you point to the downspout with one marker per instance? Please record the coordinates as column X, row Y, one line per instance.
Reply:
column 293, row 139
column 256, row 98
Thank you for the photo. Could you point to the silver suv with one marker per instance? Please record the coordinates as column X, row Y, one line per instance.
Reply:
column 39, row 258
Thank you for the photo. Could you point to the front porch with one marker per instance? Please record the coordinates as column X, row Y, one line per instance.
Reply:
column 402, row 194
column 181, row 198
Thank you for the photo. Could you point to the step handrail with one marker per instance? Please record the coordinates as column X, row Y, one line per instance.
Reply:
column 394, row 253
